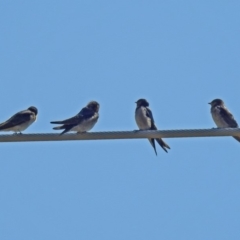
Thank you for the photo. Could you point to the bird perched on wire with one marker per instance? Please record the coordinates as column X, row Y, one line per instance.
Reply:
column 222, row 116
column 145, row 121
column 20, row 121
column 83, row 121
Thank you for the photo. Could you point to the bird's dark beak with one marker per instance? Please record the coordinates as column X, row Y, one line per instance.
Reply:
column 210, row 103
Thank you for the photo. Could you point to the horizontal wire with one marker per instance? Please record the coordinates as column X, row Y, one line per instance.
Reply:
column 215, row 132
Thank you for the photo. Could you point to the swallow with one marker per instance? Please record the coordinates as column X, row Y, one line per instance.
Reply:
column 222, row 116
column 83, row 121
column 145, row 121
column 20, row 121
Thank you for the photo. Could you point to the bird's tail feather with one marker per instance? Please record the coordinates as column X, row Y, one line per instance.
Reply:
column 237, row 138
column 66, row 128
column 56, row 122
column 59, row 127
column 151, row 140
column 162, row 144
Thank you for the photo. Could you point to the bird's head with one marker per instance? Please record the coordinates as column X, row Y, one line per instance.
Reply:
column 142, row 102
column 33, row 109
column 216, row 102
column 93, row 105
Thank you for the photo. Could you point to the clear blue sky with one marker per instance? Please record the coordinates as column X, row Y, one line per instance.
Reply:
column 58, row 55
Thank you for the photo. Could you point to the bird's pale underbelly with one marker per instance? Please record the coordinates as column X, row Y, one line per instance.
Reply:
column 84, row 126
column 219, row 120
column 143, row 122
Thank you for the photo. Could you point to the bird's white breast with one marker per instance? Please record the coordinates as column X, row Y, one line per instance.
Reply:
column 217, row 118
column 143, row 122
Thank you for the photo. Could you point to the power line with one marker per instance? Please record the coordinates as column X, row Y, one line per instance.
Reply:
column 185, row 133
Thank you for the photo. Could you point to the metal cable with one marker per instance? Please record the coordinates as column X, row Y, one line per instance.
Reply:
column 217, row 132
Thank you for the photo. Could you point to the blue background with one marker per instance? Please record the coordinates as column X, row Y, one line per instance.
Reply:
column 179, row 55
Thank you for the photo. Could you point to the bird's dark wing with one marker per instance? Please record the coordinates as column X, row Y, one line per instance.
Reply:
column 67, row 124
column 150, row 115
column 228, row 117
column 85, row 113
column 72, row 121
column 17, row 119
column 153, row 127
